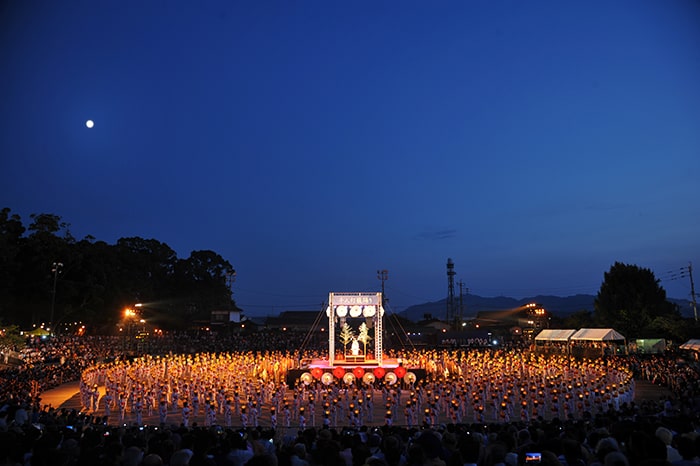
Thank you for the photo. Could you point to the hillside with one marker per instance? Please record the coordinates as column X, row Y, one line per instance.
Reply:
column 557, row 305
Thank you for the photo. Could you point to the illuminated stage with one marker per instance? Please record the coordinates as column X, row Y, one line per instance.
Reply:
column 389, row 373
column 355, row 316
column 387, row 363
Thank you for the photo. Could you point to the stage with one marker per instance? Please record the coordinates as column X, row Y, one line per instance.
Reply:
column 355, row 370
column 355, row 321
column 351, row 362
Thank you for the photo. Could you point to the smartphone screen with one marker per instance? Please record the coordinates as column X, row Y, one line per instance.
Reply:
column 533, row 457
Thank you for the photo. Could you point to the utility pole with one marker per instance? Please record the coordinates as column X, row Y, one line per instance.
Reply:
column 462, row 290
column 450, row 314
column 692, row 291
column 230, row 278
column 383, row 275
column 55, row 269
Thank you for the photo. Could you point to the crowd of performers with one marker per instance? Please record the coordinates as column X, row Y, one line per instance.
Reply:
column 249, row 389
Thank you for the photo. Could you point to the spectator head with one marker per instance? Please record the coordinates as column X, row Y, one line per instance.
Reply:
column 657, row 449
column 152, row 460
column 615, row 458
column 180, row 458
column 132, row 456
column 470, row 448
column 686, row 447
column 262, row 460
column 664, row 435
column 71, row 448
column 550, row 459
column 374, row 461
column 524, row 437
column 605, row 446
column 325, row 435
column 432, row 446
column 300, row 450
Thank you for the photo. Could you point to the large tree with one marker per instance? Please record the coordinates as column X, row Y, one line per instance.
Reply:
column 97, row 280
column 630, row 299
column 201, row 284
column 11, row 240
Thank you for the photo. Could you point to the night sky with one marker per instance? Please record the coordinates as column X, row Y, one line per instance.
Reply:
column 311, row 143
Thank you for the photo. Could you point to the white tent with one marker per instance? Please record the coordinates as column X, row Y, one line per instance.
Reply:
column 598, row 334
column 605, row 339
column 555, row 334
column 553, row 340
column 693, row 345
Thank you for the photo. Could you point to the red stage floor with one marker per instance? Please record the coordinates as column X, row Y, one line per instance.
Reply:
column 387, row 363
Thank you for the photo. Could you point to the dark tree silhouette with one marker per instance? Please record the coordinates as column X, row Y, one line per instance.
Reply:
column 630, row 299
column 98, row 280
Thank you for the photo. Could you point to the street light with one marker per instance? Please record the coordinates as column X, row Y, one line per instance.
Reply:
column 130, row 317
column 55, row 269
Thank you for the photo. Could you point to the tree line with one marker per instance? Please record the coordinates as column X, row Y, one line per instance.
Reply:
column 632, row 301
column 45, row 272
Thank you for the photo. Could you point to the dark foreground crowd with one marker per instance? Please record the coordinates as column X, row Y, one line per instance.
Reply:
column 660, row 432
column 621, row 438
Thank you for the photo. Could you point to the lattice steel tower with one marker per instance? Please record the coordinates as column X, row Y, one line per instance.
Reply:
column 450, row 292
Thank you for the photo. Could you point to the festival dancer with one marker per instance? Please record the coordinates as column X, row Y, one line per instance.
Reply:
column 163, row 412
column 302, row 419
column 108, row 399
column 273, row 418
column 186, row 411
column 228, row 413
column 287, row 416
column 244, row 418
column 138, row 409
column 122, row 408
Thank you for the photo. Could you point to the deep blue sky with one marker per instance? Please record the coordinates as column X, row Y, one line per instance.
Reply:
column 311, row 143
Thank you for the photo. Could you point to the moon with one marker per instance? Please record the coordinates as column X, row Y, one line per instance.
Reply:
column 89, row 123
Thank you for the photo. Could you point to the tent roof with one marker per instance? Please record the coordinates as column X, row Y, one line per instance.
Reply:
column 39, row 332
column 597, row 334
column 691, row 345
column 551, row 334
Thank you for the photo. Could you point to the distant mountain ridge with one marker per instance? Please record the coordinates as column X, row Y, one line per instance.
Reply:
column 557, row 305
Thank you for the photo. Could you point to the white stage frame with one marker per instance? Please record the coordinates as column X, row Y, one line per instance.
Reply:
column 355, row 305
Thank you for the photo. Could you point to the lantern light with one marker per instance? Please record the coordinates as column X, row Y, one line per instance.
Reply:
column 306, row 378
column 349, row 378
column 400, row 371
column 339, row 372
column 409, row 378
column 327, row 378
